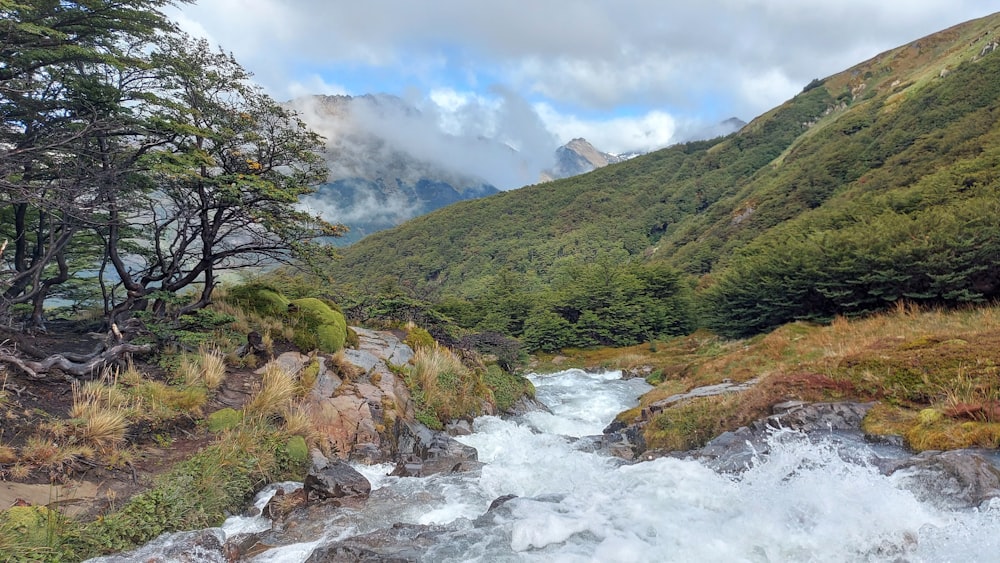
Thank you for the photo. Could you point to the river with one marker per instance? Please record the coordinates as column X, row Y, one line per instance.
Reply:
column 803, row 502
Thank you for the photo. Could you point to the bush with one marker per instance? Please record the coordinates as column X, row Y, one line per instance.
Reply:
column 507, row 387
column 418, row 338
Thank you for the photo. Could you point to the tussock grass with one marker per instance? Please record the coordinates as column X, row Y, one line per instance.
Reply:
column 299, row 422
column 274, row 394
column 443, row 388
column 207, row 367
column 909, row 359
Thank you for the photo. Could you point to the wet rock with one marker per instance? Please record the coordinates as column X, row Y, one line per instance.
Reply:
column 399, row 543
column 282, row 503
column 952, row 479
column 524, row 405
column 341, row 553
column 437, row 452
column 736, row 450
column 243, row 546
column 458, row 428
column 337, row 480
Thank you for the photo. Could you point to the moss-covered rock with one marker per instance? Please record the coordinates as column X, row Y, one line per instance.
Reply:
column 29, row 526
column 224, row 419
column 259, row 298
column 317, row 325
column 297, row 450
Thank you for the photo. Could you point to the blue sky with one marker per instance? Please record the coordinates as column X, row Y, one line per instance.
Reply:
column 626, row 74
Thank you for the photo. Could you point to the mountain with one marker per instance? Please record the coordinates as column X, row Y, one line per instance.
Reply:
column 578, row 157
column 376, row 180
column 872, row 185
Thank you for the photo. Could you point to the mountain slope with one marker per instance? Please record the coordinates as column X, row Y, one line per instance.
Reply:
column 872, row 149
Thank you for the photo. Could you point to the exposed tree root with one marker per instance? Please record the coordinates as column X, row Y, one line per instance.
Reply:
column 80, row 367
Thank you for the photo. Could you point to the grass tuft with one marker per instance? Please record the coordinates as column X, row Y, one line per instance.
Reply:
column 274, row 394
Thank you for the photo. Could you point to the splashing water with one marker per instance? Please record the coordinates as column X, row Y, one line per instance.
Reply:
column 803, row 502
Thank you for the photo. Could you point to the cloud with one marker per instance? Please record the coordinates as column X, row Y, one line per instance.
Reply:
column 692, row 61
column 463, row 138
column 647, row 132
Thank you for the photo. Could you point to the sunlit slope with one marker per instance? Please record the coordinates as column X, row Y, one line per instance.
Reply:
column 913, row 128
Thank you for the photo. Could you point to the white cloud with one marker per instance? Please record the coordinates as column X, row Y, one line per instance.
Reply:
column 693, row 60
column 647, row 132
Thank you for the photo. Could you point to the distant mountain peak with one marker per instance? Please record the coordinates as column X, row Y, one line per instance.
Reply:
column 578, row 157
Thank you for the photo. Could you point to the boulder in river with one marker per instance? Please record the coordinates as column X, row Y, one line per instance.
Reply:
column 952, row 479
column 338, row 481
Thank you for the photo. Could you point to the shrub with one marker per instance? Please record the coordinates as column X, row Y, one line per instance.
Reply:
column 507, row 388
column 418, row 338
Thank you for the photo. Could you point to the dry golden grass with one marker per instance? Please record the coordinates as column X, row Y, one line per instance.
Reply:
column 207, row 368
column 274, row 394
column 443, row 387
column 104, row 412
column 299, row 422
column 105, row 428
column 7, row 454
column 910, row 358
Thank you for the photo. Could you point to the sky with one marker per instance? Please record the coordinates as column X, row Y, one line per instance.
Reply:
column 627, row 75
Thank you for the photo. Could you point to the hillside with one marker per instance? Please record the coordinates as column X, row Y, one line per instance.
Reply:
column 903, row 145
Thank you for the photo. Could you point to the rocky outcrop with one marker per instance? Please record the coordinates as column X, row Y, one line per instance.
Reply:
column 737, row 450
column 953, row 479
column 425, row 452
column 365, row 412
column 356, row 403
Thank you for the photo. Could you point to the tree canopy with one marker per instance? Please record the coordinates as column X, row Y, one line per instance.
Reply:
column 136, row 163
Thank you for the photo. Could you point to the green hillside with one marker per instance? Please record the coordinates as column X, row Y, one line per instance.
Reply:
column 873, row 185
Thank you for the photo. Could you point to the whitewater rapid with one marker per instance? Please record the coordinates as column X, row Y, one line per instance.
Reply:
column 804, row 502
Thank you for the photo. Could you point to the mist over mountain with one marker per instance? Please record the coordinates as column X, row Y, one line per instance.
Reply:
column 871, row 185
column 392, row 160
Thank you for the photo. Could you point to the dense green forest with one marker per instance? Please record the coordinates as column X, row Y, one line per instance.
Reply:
column 871, row 186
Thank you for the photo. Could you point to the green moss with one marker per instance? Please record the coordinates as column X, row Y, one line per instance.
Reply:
column 297, row 450
column 29, row 529
column 928, row 417
column 259, row 298
column 317, row 325
column 308, row 376
column 224, row 419
column 419, row 338
column 507, row 388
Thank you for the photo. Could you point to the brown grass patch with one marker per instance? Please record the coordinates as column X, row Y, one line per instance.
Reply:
column 274, row 394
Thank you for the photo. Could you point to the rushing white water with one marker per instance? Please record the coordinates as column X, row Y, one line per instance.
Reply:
column 803, row 503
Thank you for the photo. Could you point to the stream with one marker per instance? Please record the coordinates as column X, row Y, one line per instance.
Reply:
column 805, row 501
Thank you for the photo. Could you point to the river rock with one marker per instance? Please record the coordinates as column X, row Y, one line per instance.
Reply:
column 736, row 450
column 952, row 479
column 398, row 543
column 337, row 480
column 426, row 452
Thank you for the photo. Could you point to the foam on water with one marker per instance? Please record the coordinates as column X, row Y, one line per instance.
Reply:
column 804, row 502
